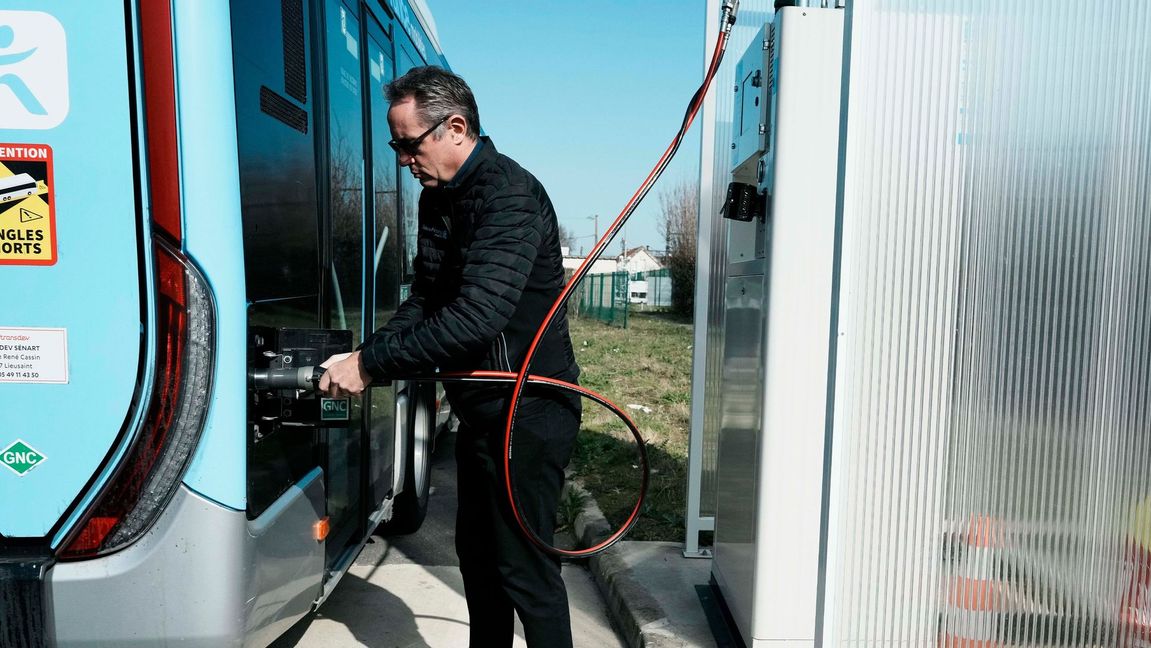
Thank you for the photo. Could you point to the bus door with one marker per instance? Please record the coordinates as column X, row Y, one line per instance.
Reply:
column 313, row 260
column 301, row 170
column 345, row 451
column 384, row 258
column 275, row 127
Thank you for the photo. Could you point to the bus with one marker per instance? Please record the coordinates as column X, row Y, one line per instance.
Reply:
column 16, row 186
column 217, row 199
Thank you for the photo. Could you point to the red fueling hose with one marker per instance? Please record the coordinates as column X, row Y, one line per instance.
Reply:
column 522, row 378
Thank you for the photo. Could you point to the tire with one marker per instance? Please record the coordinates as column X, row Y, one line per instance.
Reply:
column 410, row 505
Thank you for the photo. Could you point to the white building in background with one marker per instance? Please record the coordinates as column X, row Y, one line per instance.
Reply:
column 639, row 259
column 632, row 261
column 601, row 265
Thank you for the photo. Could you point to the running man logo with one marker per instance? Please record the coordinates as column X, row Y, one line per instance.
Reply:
column 33, row 70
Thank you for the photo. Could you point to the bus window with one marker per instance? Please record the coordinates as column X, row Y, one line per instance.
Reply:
column 278, row 204
column 409, row 187
column 277, row 160
column 385, row 256
column 386, row 266
column 346, row 170
column 345, row 303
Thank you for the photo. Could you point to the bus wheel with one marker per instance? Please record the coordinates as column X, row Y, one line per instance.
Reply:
column 411, row 505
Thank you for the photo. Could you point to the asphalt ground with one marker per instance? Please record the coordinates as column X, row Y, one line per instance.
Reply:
column 407, row 591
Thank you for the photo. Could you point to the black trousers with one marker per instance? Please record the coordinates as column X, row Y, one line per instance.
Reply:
column 502, row 570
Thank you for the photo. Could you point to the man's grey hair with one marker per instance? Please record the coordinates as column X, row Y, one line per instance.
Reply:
column 438, row 94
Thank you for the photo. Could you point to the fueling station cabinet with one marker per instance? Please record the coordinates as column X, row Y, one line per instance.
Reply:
column 780, row 216
column 922, row 395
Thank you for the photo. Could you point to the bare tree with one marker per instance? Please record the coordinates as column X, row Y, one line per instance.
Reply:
column 679, row 207
column 567, row 237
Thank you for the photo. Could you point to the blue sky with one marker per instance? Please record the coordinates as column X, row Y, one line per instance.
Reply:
column 584, row 94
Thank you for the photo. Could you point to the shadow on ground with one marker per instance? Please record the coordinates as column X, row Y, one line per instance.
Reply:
column 371, row 614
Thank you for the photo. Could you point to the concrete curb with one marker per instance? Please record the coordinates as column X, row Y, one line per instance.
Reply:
column 639, row 616
column 631, row 608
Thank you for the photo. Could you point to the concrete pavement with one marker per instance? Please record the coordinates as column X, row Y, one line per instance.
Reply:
column 404, row 604
column 407, row 591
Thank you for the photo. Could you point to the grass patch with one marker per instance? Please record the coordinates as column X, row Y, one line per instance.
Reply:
column 646, row 366
column 570, row 506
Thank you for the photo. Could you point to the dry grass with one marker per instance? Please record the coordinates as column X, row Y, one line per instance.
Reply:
column 647, row 364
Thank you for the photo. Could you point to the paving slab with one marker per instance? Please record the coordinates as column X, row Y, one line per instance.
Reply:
column 405, row 604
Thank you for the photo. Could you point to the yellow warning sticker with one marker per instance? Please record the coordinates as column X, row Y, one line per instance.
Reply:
column 27, row 217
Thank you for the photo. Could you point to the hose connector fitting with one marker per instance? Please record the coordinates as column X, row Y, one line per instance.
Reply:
column 729, row 9
column 307, row 378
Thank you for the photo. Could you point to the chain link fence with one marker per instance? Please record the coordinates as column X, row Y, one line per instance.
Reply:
column 604, row 297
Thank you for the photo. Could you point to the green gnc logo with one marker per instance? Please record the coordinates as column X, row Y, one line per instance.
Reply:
column 21, row 457
column 333, row 409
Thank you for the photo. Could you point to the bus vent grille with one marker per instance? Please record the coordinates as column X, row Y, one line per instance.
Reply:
column 283, row 110
column 295, row 68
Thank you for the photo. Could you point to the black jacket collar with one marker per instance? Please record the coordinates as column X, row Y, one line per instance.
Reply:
column 484, row 152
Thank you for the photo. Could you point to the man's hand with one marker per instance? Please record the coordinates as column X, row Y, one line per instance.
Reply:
column 345, row 376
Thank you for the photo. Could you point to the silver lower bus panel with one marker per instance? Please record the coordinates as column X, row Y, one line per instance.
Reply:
column 203, row 576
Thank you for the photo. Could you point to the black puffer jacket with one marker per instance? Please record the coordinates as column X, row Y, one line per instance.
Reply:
column 488, row 269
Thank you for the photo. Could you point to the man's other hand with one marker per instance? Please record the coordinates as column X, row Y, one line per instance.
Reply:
column 345, row 376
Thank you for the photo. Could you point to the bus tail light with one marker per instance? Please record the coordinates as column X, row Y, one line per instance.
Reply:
column 154, row 464
column 148, row 474
column 159, row 70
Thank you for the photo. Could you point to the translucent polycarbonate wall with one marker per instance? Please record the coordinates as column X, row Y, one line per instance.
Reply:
column 715, row 173
column 991, row 462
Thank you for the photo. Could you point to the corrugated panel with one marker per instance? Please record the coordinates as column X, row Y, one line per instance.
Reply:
column 717, row 118
column 991, row 470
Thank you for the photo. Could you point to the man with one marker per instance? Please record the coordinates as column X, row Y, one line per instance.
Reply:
column 488, row 269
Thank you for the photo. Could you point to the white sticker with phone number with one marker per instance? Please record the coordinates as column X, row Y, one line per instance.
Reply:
column 33, row 355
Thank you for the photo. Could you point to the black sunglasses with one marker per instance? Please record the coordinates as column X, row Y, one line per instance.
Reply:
column 410, row 147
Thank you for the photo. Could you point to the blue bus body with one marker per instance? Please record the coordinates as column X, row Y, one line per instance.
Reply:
column 207, row 171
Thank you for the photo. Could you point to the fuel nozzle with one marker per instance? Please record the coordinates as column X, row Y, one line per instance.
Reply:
column 291, row 378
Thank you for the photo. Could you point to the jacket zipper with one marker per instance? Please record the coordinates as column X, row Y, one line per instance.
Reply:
column 501, row 341
column 503, row 345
